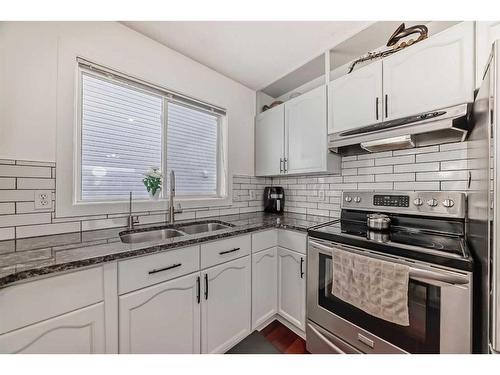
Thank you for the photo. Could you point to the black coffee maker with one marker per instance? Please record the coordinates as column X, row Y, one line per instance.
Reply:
column 274, row 199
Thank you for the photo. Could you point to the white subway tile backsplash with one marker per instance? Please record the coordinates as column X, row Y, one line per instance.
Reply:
column 439, row 156
column 416, row 186
column 361, row 178
column 7, row 183
column 36, row 183
column 7, row 208
column 420, row 167
column 396, row 160
column 454, row 185
column 358, row 163
column 24, row 171
column 454, row 165
column 376, row 186
column 443, row 175
column 7, row 233
column 376, row 170
column 453, row 146
column 395, row 177
column 419, row 150
column 375, row 155
column 25, row 219
column 17, row 195
column 47, row 229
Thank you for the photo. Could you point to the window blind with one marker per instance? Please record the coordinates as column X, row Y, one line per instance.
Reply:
column 192, row 144
column 121, row 138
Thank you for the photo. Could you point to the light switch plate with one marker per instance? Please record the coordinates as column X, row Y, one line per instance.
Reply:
column 252, row 194
column 43, row 199
column 321, row 195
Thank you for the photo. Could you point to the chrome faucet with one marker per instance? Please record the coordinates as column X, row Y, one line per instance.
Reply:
column 171, row 208
column 131, row 219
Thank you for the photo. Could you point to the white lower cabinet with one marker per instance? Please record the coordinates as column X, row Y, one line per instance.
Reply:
column 292, row 286
column 78, row 332
column 226, row 305
column 163, row 318
column 264, row 285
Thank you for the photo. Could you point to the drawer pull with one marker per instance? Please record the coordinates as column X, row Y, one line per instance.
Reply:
column 301, row 268
column 165, row 269
column 229, row 251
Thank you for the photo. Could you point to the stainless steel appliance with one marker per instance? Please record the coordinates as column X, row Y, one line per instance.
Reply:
column 274, row 199
column 422, row 129
column 427, row 233
column 483, row 222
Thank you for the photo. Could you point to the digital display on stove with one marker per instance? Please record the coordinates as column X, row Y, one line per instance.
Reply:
column 391, row 200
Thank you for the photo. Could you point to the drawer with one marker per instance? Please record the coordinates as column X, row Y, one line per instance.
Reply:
column 34, row 301
column 292, row 240
column 264, row 240
column 221, row 251
column 140, row 272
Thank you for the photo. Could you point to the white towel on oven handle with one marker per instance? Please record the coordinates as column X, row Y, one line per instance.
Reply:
column 377, row 287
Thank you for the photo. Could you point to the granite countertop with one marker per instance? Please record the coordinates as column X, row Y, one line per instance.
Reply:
column 27, row 258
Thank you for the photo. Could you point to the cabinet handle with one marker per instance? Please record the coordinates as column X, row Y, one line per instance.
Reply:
column 229, row 251
column 285, row 163
column 376, row 108
column 281, row 165
column 386, row 106
column 206, row 286
column 198, row 287
column 164, row 269
column 301, row 268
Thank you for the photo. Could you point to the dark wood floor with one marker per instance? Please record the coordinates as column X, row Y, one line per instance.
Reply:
column 283, row 339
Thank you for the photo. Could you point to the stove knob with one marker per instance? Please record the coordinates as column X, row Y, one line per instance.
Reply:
column 357, row 199
column 432, row 202
column 448, row 203
column 348, row 199
column 418, row 202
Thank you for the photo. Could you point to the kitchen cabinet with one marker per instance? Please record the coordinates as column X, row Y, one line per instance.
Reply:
column 435, row 73
column 226, row 305
column 264, row 285
column 356, row 99
column 292, row 286
column 78, row 332
column 164, row 318
column 486, row 33
column 292, row 138
column 269, row 141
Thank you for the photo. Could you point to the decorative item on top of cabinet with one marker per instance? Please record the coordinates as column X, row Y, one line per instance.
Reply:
column 401, row 32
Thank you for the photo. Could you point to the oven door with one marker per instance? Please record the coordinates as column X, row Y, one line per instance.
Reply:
column 439, row 302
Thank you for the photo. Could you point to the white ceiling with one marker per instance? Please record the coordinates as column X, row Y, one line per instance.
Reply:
column 254, row 53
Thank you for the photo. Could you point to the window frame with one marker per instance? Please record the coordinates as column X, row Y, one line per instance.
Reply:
column 77, row 206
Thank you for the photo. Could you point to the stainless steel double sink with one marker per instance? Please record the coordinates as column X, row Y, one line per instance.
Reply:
column 165, row 233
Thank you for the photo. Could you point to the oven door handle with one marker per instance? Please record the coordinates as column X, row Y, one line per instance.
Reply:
column 420, row 273
column 331, row 345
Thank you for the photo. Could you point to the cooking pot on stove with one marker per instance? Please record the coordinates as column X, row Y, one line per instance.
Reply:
column 378, row 221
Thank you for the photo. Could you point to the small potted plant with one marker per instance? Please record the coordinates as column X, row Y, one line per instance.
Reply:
column 152, row 181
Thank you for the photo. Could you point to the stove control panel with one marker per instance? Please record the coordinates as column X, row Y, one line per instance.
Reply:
column 391, row 200
column 437, row 203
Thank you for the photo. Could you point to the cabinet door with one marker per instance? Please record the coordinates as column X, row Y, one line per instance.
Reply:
column 356, row 99
column 264, row 285
column 432, row 74
column 164, row 318
column 77, row 332
column 306, row 132
column 292, row 287
column 226, row 305
column 269, row 141
column 486, row 33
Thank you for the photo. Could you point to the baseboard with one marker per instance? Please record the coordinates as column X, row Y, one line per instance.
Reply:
column 285, row 322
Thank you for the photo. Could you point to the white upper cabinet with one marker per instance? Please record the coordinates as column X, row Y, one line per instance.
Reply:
column 161, row 319
column 486, row 33
column 306, row 132
column 356, row 99
column 226, row 305
column 269, row 141
column 435, row 73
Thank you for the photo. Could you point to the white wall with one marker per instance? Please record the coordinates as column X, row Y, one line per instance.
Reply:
column 36, row 59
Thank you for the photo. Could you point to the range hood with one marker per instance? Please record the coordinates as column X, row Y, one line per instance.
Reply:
column 435, row 127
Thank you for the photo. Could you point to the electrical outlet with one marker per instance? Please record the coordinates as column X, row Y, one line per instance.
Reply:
column 252, row 194
column 321, row 195
column 43, row 199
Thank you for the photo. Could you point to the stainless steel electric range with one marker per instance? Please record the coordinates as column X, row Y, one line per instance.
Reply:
column 425, row 230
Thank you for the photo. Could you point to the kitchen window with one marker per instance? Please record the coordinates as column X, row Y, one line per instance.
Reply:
column 127, row 126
